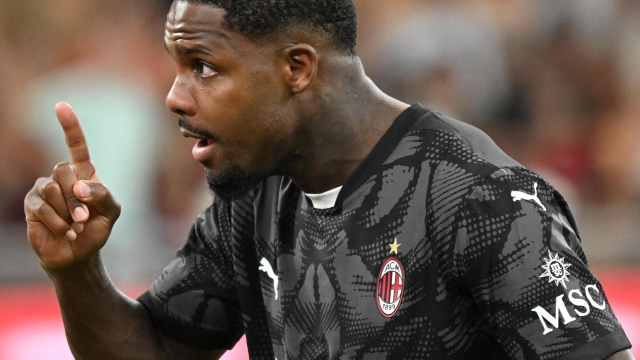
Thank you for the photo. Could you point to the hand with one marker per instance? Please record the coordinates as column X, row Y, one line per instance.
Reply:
column 70, row 214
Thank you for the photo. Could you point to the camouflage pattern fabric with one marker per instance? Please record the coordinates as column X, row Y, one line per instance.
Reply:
column 439, row 246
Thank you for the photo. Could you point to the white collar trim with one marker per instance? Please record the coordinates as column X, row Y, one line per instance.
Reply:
column 325, row 200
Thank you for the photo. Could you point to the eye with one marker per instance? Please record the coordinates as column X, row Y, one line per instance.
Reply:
column 204, row 70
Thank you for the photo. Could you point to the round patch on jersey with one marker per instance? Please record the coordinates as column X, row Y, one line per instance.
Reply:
column 390, row 287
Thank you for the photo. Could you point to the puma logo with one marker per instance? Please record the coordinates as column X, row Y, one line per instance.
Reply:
column 266, row 267
column 519, row 195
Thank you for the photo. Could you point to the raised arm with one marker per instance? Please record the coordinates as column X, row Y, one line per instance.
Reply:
column 69, row 218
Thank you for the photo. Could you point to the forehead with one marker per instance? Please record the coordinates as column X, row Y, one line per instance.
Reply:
column 192, row 21
column 185, row 15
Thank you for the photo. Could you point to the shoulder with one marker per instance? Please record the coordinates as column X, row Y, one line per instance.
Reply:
column 469, row 172
column 464, row 154
column 461, row 137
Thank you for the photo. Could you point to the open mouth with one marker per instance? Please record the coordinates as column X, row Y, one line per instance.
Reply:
column 204, row 142
column 202, row 150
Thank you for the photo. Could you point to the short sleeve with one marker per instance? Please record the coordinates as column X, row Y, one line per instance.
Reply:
column 518, row 255
column 195, row 301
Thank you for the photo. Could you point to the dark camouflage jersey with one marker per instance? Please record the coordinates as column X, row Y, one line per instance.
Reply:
column 439, row 246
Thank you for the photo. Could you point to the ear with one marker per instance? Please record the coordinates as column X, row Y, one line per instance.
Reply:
column 301, row 66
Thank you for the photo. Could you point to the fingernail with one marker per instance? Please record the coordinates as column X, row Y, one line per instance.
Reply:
column 85, row 190
column 77, row 227
column 79, row 214
column 71, row 235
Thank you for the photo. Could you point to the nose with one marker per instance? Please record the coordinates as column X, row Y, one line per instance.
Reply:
column 179, row 99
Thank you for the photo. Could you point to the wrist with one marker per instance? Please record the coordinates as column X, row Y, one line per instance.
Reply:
column 87, row 271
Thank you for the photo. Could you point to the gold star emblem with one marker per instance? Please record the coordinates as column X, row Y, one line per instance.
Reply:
column 394, row 247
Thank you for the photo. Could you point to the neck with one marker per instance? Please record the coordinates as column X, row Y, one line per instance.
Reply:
column 348, row 117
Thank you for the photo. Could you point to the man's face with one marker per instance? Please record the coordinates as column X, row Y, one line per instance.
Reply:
column 229, row 94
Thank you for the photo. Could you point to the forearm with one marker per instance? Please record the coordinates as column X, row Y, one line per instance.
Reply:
column 100, row 321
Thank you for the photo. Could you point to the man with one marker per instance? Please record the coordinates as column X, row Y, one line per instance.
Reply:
column 345, row 224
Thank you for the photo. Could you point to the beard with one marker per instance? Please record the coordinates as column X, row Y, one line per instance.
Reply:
column 232, row 184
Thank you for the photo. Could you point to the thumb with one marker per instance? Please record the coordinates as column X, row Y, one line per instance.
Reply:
column 97, row 196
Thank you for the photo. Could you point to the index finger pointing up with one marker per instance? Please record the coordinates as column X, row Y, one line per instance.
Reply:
column 76, row 142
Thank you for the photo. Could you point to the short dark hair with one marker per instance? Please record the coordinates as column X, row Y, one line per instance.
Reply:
column 259, row 18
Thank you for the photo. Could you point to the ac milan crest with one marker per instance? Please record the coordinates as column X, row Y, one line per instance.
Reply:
column 390, row 287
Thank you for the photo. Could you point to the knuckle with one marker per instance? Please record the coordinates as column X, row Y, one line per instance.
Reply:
column 29, row 201
column 39, row 208
column 99, row 191
column 76, row 142
column 50, row 188
column 33, row 192
column 61, row 171
column 60, row 167
column 33, row 196
column 42, row 182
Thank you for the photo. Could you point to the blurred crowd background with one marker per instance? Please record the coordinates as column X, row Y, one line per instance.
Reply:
column 555, row 83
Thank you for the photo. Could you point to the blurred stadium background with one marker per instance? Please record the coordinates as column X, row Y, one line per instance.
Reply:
column 555, row 83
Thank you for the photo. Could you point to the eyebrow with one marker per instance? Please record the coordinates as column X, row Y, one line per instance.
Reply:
column 188, row 50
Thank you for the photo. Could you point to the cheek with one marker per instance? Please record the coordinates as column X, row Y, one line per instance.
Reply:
column 245, row 111
column 224, row 107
